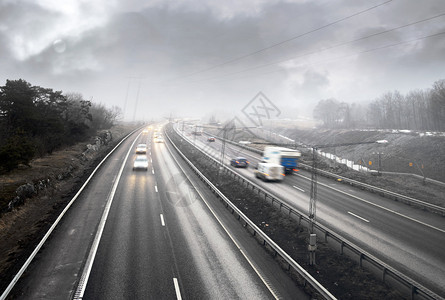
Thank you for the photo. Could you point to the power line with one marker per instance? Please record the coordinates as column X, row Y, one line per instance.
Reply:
column 328, row 48
column 320, row 62
column 282, row 42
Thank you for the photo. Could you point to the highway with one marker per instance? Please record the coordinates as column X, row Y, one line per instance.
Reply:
column 409, row 239
column 151, row 235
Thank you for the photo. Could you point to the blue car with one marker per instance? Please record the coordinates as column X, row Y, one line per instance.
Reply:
column 239, row 162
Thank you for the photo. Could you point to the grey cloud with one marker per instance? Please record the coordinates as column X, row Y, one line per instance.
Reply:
column 163, row 44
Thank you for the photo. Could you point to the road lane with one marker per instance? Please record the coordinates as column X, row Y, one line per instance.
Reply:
column 135, row 258
column 54, row 272
column 191, row 211
column 216, row 264
column 155, row 237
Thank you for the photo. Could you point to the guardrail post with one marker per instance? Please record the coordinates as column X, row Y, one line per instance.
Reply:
column 342, row 244
column 361, row 259
column 384, row 274
column 413, row 291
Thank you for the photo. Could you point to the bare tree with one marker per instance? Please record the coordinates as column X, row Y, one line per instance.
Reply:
column 418, row 110
column 438, row 105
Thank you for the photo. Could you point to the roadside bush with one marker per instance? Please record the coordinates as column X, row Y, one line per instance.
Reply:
column 17, row 150
column 47, row 120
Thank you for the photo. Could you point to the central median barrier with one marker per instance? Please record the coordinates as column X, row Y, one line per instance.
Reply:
column 308, row 281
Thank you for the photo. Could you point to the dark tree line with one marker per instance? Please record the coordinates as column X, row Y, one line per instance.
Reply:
column 36, row 120
column 418, row 110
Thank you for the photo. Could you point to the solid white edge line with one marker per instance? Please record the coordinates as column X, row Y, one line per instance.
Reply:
column 357, row 216
column 56, row 222
column 379, row 206
column 91, row 256
column 162, row 220
column 228, row 233
column 177, row 290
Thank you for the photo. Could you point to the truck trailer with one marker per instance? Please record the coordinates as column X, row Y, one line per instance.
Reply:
column 286, row 157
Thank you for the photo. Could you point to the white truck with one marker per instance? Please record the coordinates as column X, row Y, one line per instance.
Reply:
column 286, row 157
column 269, row 171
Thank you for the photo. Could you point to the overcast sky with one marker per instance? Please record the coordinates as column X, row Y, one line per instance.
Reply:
column 194, row 57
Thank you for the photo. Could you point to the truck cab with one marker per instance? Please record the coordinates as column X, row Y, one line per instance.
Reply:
column 269, row 172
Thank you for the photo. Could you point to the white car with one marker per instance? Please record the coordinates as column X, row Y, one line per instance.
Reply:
column 141, row 149
column 141, row 162
column 159, row 139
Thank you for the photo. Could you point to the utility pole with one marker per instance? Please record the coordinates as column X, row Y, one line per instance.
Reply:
column 380, row 164
column 222, row 155
column 313, row 198
column 137, row 101
column 126, row 96
column 313, row 209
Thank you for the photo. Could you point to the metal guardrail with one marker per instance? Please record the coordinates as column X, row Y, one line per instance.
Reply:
column 414, row 289
column 382, row 192
column 373, row 189
column 257, row 231
column 426, row 179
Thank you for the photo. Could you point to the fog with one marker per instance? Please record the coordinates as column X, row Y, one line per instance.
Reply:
column 197, row 58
